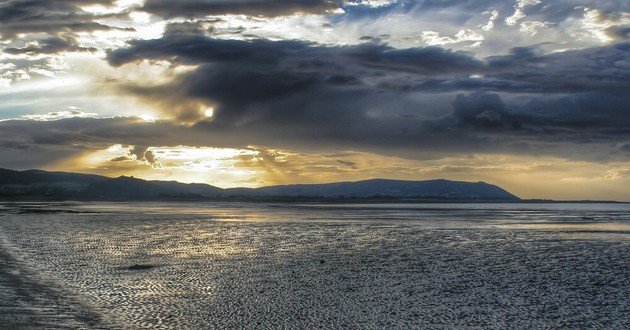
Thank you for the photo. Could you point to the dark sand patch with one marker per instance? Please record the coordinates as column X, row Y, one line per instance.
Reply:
column 27, row 304
column 140, row 267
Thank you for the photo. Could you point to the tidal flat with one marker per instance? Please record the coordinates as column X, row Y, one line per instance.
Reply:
column 314, row 266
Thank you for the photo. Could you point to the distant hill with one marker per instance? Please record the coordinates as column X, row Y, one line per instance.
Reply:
column 381, row 188
column 60, row 185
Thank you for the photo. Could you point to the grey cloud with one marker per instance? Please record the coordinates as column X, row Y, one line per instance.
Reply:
column 138, row 152
column 427, row 60
column 552, row 10
column 84, row 133
column 367, row 97
column 34, row 157
column 525, row 69
column 51, row 17
column 35, row 144
column 352, row 165
column 484, row 111
column 185, row 47
column 246, row 77
column 38, row 28
column 142, row 153
column 150, row 157
column 188, row 28
column 416, row 103
column 569, row 124
column 270, row 8
column 589, row 113
column 120, row 159
column 41, row 143
column 619, row 32
column 50, row 45
column 603, row 69
column 15, row 69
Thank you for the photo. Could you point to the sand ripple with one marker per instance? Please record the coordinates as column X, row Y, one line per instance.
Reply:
column 211, row 273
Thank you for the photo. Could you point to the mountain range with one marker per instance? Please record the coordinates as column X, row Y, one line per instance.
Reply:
column 37, row 184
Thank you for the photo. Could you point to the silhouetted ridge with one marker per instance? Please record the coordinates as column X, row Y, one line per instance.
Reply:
column 391, row 188
column 36, row 183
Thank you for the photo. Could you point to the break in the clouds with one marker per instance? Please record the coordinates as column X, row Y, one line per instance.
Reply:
column 20, row 17
column 376, row 97
column 421, row 81
column 33, row 31
column 196, row 8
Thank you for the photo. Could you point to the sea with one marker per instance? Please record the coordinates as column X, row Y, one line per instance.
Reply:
column 210, row 265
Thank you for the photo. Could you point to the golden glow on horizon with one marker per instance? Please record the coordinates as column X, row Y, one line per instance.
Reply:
column 99, row 66
column 526, row 177
column 215, row 166
column 147, row 117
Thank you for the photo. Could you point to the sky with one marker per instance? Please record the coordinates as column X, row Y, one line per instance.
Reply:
column 530, row 95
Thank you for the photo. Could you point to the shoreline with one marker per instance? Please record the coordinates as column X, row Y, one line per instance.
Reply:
column 138, row 266
column 27, row 304
column 293, row 200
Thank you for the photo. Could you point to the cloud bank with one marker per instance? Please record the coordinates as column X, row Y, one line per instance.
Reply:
column 419, row 80
column 373, row 97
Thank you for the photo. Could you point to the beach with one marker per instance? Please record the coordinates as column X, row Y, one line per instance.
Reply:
column 28, row 304
column 258, row 266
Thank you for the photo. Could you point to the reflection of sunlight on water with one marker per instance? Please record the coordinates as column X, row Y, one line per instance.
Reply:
column 602, row 227
column 604, row 231
column 239, row 265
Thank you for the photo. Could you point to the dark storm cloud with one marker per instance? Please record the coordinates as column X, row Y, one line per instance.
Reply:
column 481, row 110
column 427, row 60
column 249, row 79
column 619, row 32
column 34, row 144
column 577, row 118
column 365, row 97
column 194, row 49
column 181, row 44
column 61, row 139
column 270, row 8
column 45, row 16
column 81, row 132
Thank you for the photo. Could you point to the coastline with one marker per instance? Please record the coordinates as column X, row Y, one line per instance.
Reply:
column 138, row 266
column 27, row 304
column 304, row 199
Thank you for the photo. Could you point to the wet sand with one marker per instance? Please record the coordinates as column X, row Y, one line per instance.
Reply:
column 267, row 268
column 27, row 304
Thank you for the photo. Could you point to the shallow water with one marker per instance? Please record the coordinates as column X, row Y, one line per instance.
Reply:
column 248, row 266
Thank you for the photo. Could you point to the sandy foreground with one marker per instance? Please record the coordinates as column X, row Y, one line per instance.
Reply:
column 27, row 304
column 252, row 267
